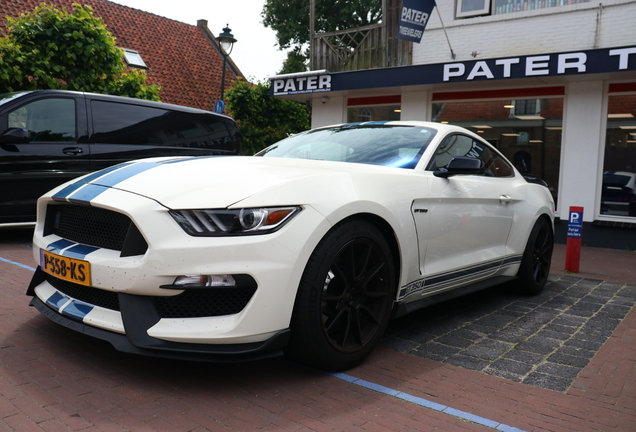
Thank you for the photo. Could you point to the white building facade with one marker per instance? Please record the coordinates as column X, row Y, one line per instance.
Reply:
column 551, row 83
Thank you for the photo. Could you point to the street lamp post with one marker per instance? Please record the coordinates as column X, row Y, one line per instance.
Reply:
column 226, row 40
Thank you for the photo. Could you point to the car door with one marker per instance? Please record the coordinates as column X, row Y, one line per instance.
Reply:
column 464, row 222
column 54, row 150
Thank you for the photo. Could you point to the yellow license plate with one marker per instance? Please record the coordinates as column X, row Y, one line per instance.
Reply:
column 69, row 269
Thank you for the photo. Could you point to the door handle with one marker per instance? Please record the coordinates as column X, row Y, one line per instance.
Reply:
column 72, row 151
column 505, row 199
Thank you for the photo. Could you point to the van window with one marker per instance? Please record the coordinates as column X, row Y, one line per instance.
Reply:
column 116, row 123
column 50, row 120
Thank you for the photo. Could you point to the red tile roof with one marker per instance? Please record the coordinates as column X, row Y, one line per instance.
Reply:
column 184, row 59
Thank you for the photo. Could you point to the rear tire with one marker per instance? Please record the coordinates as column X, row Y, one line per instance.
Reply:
column 535, row 264
column 344, row 298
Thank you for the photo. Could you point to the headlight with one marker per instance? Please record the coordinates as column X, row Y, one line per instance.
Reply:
column 224, row 222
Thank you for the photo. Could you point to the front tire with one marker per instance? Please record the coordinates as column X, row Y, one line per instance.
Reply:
column 344, row 298
column 535, row 264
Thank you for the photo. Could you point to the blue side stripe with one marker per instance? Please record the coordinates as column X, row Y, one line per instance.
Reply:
column 80, row 251
column 77, row 310
column 56, row 247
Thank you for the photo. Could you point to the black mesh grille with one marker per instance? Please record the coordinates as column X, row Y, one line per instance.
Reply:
column 95, row 227
column 93, row 296
column 189, row 304
column 206, row 303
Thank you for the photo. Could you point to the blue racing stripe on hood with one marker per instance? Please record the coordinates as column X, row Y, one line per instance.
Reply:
column 86, row 194
column 125, row 173
column 68, row 190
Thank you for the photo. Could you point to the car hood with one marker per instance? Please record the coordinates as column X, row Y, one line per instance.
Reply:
column 219, row 182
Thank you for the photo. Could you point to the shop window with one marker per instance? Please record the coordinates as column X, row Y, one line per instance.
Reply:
column 526, row 131
column 373, row 113
column 618, row 191
column 471, row 8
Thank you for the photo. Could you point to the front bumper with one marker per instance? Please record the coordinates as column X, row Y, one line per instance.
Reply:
column 136, row 340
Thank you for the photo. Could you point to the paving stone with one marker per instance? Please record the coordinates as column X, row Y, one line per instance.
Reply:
column 558, row 370
column 495, row 344
column 576, row 352
column 568, row 360
column 439, row 349
column 524, row 356
column 468, row 362
column 547, row 381
column 569, row 320
column 511, row 366
column 482, row 352
column 554, row 335
column 503, row 374
column 539, row 345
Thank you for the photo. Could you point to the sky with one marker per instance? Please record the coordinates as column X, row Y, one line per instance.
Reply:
column 255, row 52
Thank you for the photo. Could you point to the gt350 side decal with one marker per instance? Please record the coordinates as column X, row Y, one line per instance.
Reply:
column 429, row 283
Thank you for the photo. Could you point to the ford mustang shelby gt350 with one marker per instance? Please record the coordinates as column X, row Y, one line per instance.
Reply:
column 310, row 247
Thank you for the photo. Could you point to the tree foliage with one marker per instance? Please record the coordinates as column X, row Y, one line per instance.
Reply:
column 261, row 118
column 290, row 19
column 50, row 48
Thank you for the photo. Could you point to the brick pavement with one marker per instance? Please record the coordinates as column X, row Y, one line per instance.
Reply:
column 54, row 379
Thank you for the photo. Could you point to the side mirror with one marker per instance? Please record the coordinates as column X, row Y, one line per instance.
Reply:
column 461, row 165
column 15, row 136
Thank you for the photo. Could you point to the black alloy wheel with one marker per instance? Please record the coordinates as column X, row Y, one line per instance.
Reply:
column 537, row 258
column 344, row 299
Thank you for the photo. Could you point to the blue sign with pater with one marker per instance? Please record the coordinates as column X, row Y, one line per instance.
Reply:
column 414, row 16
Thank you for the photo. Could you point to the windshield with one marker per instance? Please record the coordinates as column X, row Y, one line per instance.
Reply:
column 388, row 145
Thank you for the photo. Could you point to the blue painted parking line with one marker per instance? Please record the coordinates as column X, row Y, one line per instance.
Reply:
column 17, row 264
column 426, row 403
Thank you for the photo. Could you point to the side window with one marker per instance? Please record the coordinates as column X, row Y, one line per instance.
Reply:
column 462, row 145
column 118, row 123
column 50, row 120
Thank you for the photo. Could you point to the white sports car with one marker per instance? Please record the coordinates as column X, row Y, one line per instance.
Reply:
column 308, row 248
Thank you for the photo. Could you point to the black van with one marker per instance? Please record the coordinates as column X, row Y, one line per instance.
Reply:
column 48, row 137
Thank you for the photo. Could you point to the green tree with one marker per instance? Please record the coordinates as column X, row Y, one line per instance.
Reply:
column 50, row 48
column 261, row 118
column 290, row 20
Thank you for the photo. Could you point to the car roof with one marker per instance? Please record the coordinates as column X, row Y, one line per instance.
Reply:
column 120, row 99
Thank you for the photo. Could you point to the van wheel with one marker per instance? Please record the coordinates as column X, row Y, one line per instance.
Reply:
column 344, row 299
column 535, row 264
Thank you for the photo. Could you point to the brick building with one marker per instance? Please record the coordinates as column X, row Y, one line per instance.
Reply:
column 185, row 60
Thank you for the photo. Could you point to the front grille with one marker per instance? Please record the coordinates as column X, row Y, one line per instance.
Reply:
column 95, row 226
column 204, row 303
column 189, row 304
column 93, row 296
